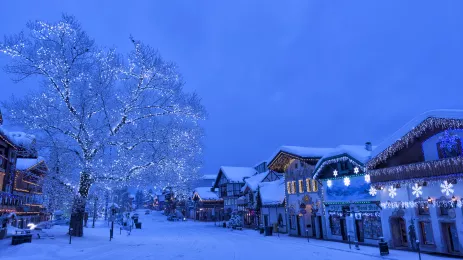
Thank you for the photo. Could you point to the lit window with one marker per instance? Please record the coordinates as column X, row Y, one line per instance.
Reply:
column 307, row 184
column 293, row 187
column 426, row 233
column 314, row 186
column 301, row 186
column 288, row 187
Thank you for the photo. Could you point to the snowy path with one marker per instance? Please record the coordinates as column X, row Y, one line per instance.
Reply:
column 161, row 239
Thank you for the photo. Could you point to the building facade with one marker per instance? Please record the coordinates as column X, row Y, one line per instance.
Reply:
column 417, row 174
column 303, row 201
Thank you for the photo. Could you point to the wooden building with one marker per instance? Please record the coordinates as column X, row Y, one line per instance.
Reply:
column 207, row 205
column 228, row 183
column 418, row 176
column 272, row 204
column 303, row 200
column 350, row 212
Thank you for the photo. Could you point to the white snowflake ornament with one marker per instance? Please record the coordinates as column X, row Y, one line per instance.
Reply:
column 335, row 173
column 367, row 178
column 372, row 191
column 356, row 170
column 346, row 181
column 329, row 183
column 447, row 188
column 392, row 192
column 417, row 190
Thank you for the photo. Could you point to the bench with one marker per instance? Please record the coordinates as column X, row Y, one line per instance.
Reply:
column 19, row 239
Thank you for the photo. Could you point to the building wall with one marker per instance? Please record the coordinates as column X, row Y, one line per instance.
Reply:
column 272, row 214
column 412, row 216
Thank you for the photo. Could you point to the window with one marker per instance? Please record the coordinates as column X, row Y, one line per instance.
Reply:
column 449, row 146
column 444, row 210
column 426, row 233
column 288, row 187
column 307, row 184
column 293, row 187
column 344, row 165
column 314, row 186
column 335, row 225
column 301, row 186
column 423, row 209
column 372, row 228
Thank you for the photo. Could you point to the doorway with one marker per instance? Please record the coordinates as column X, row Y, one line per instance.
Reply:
column 450, row 234
column 298, row 225
column 399, row 232
column 320, row 226
column 359, row 230
column 343, row 229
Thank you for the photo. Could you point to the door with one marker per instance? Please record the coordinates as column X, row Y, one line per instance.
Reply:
column 314, row 231
column 343, row 229
column 451, row 237
column 320, row 226
column 265, row 220
column 359, row 230
column 298, row 226
column 399, row 232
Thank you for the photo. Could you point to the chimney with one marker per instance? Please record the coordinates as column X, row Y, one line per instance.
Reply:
column 368, row 146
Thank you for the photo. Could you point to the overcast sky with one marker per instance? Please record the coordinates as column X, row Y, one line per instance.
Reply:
column 272, row 73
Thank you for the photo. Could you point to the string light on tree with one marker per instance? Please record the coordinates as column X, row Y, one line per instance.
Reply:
column 346, row 181
column 417, row 190
column 392, row 191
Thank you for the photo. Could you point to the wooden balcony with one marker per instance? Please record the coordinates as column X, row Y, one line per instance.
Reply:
column 444, row 169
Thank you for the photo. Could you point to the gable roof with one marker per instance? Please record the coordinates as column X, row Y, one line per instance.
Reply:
column 416, row 127
column 297, row 152
column 235, row 174
column 253, row 181
column 272, row 193
column 357, row 154
column 205, row 193
column 25, row 164
column 209, row 177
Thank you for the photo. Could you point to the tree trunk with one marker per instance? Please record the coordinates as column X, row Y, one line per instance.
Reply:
column 76, row 224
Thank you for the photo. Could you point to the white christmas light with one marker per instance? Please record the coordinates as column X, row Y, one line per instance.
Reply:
column 367, row 178
column 372, row 191
column 329, row 183
column 346, row 181
column 335, row 173
column 392, row 192
column 447, row 188
column 417, row 190
column 356, row 170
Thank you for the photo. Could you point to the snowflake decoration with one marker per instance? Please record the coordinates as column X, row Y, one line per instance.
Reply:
column 335, row 173
column 346, row 181
column 417, row 190
column 356, row 170
column 447, row 188
column 372, row 191
column 329, row 183
column 367, row 178
column 392, row 192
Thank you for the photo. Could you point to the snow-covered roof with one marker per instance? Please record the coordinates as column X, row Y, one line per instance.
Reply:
column 23, row 164
column 237, row 174
column 209, row 177
column 253, row 181
column 261, row 162
column 356, row 152
column 303, row 152
column 415, row 122
column 205, row 193
column 22, row 139
column 131, row 196
column 272, row 193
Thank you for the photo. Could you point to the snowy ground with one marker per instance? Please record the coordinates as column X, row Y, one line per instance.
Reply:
column 161, row 239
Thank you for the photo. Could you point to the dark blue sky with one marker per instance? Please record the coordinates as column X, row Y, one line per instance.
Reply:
column 271, row 73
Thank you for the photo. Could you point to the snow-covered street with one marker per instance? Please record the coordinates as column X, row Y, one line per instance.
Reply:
column 161, row 239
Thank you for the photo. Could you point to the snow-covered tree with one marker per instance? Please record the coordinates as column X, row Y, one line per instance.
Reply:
column 121, row 119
